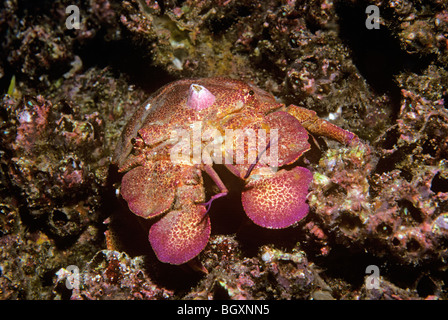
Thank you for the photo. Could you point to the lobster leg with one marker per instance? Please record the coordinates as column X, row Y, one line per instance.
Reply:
column 311, row 122
column 216, row 179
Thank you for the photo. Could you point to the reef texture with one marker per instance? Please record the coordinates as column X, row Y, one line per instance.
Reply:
column 68, row 93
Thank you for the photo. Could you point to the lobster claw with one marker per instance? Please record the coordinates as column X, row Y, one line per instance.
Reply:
column 173, row 193
column 141, row 189
column 181, row 234
column 277, row 200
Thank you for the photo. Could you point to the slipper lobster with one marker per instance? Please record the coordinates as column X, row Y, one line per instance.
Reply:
column 187, row 126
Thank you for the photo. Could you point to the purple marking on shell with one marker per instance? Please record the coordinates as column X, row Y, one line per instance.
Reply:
column 180, row 235
column 279, row 201
column 199, row 97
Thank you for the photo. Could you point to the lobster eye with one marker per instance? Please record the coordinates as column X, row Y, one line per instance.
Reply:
column 251, row 92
